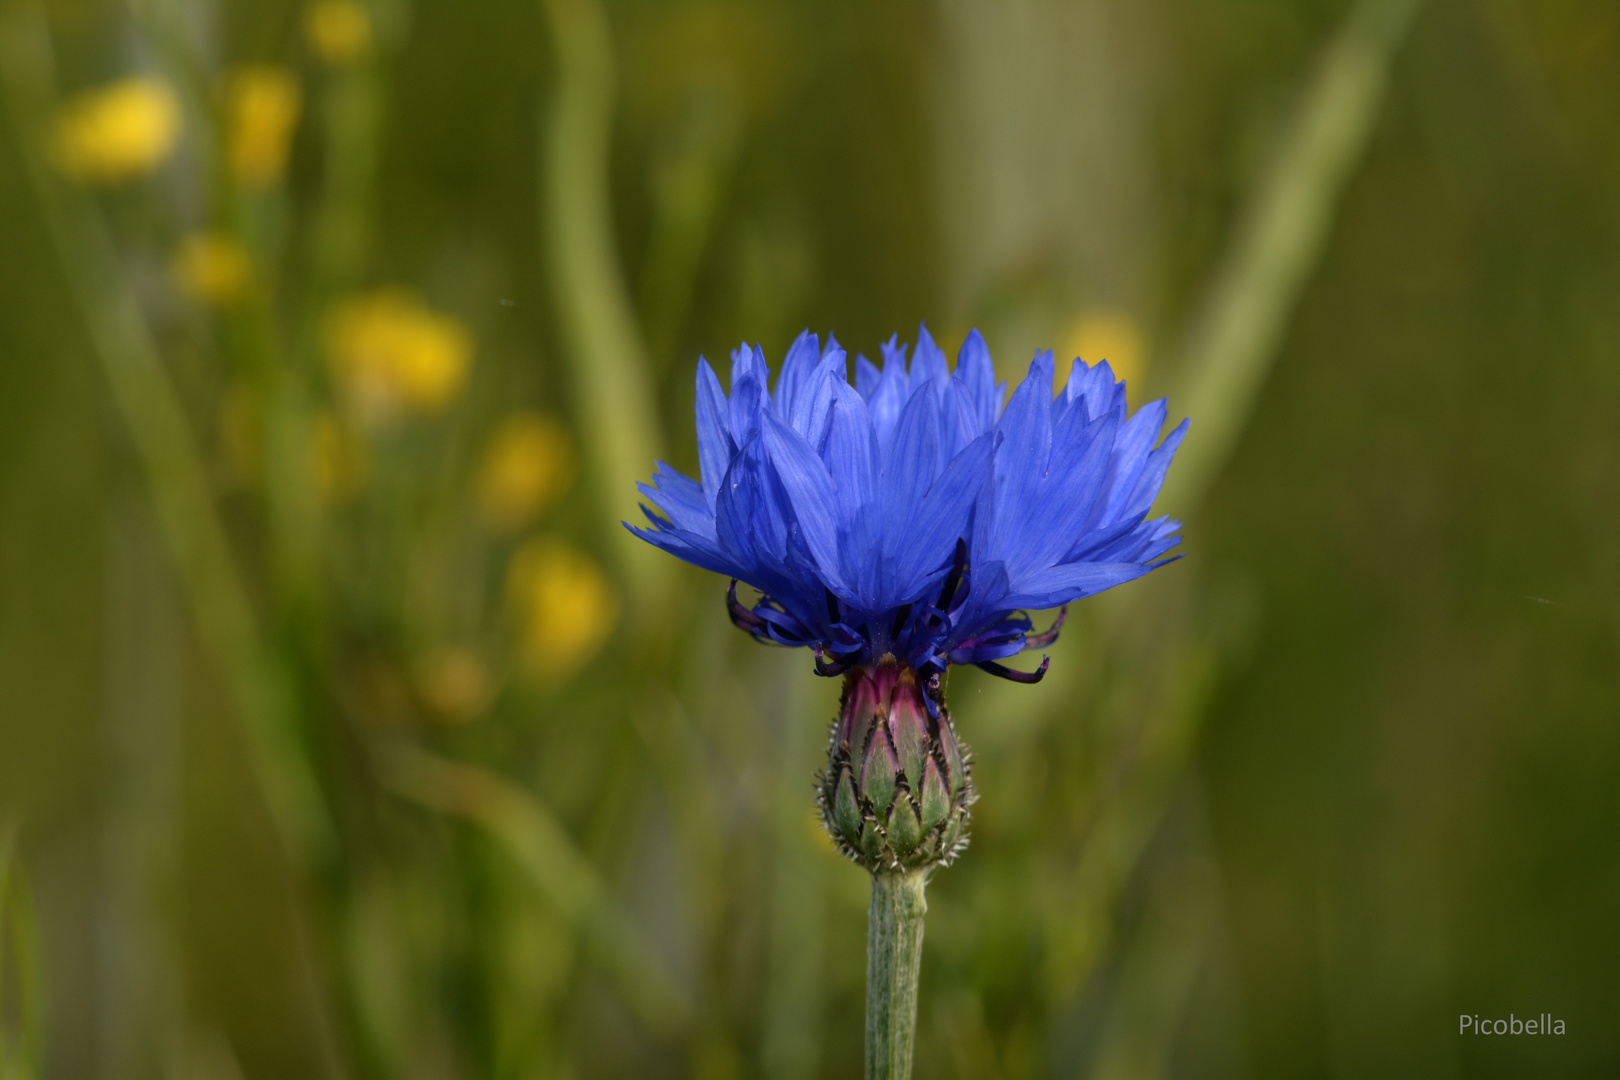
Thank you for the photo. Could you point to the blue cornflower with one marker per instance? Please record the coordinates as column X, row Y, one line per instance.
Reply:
column 910, row 515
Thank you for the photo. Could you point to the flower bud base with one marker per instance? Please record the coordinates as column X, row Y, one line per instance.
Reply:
column 897, row 790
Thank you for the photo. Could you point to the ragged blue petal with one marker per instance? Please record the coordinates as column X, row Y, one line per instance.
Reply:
column 801, row 360
column 716, row 447
column 811, row 494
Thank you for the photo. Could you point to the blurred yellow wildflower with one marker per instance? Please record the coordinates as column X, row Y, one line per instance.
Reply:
column 455, row 684
column 338, row 459
column 565, row 608
column 116, row 132
column 262, row 102
column 338, row 30
column 527, row 463
column 212, row 267
column 1105, row 335
column 390, row 353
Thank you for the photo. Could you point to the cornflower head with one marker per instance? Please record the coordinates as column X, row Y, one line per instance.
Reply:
column 906, row 523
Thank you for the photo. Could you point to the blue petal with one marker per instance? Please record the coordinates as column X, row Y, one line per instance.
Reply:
column 750, row 523
column 797, row 366
column 867, row 377
column 811, row 411
column 1059, row 585
column 927, row 363
column 894, row 355
column 912, row 461
column 1094, row 384
column 1131, row 451
column 697, row 550
column 952, row 437
column 979, row 653
column 1096, row 543
column 810, row 492
column 980, row 400
column 1080, row 453
column 682, row 499
column 852, row 454
column 833, row 347
column 1022, row 459
column 932, row 530
column 1152, row 478
column 715, row 445
column 746, row 409
column 748, row 361
column 1146, row 542
column 887, row 401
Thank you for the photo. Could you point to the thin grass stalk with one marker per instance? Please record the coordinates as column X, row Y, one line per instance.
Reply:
column 1257, row 287
column 21, row 968
column 562, row 874
column 609, row 375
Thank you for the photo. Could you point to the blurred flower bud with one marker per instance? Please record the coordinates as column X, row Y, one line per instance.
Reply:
column 262, row 103
column 390, row 353
column 213, row 268
column 527, row 463
column 338, row 458
column 1107, row 335
column 897, row 787
column 565, row 608
column 454, row 684
column 116, row 132
column 339, row 31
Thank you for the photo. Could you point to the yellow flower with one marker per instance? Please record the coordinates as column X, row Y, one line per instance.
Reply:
column 391, row 353
column 212, row 267
column 565, row 607
column 527, row 463
column 338, row 458
column 454, row 684
column 1106, row 335
column 262, row 103
column 338, row 30
column 118, row 131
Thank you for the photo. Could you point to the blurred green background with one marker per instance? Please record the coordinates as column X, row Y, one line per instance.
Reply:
column 344, row 733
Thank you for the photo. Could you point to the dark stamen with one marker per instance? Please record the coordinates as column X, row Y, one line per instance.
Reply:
column 741, row 617
column 837, row 667
column 1003, row 672
column 1042, row 640
column 954, row 578
column 900, row 621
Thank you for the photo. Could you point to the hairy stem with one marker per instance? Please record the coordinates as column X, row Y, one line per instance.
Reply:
column 894, row 936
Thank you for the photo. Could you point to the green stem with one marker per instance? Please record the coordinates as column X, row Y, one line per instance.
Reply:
column 1258, row 285
column 613, row 403
column 894, row 936
column 563, row 874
